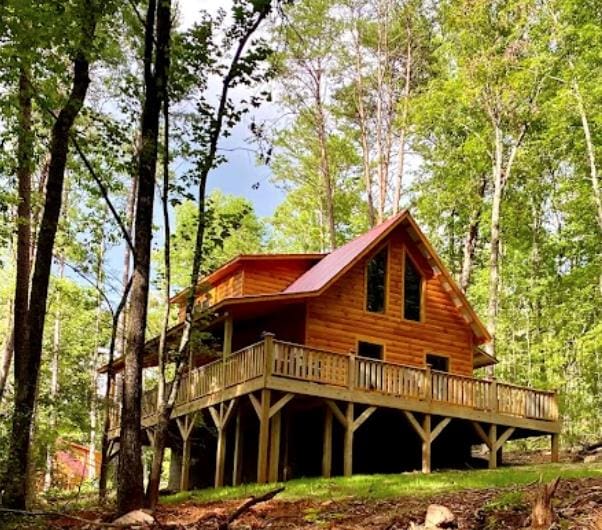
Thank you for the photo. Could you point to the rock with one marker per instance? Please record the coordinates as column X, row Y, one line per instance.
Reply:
column 438, row 516
column 136, row 518
column 593, row 458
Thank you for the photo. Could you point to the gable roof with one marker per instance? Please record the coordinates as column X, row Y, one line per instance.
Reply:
column 332, row 266
column 321, row 274
column 231, row 265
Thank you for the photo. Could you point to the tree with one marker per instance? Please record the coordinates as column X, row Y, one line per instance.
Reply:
column 28, row 351
column 245, row 63
column 232, row 229
column 157, row 38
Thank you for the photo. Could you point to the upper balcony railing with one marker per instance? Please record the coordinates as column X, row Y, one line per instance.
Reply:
column 277, row 358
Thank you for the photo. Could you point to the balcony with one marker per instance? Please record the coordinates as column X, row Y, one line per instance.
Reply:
column 303, row 370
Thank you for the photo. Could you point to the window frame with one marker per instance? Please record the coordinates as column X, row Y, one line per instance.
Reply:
column 387, row 247
column 370, row 340
column 443, row 356
column 408, row 255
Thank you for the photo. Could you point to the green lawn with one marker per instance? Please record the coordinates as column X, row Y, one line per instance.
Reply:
column 390, row 486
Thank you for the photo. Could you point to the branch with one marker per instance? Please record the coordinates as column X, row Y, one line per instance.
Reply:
column 105, row 195
column 245, row 506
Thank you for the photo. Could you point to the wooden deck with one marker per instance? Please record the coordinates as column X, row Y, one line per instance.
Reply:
column 293, row 368
column 271, row 373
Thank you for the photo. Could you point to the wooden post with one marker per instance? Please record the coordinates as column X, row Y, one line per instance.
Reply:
column 555, row 447
column 238, row 448
column 268, row 355
column 184, row 476
column 348, row 445
column 494, row 405
column 264, row 434
column 276, row 423
column 220, row 457
column 185, row 426
column 493, row 446
column 428, row 383
column 351, row 371
column 327, row 444
column 426, row 443
column 227, row 343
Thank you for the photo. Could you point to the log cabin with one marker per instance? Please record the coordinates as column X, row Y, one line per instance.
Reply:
column 361, row 360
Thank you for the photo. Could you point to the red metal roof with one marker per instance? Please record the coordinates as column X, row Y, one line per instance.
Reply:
column 335, row 262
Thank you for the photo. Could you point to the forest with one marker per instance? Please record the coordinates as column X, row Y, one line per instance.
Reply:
column 119, row 121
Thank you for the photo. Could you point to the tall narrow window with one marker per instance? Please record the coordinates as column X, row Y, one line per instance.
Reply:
column 412, row 290
column 376, row 282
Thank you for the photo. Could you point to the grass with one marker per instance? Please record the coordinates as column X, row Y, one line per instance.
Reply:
column 392, row 486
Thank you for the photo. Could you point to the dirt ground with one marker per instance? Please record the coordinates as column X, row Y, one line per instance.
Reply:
column 578, row 505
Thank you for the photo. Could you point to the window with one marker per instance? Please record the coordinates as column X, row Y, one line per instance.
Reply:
column 437, row 362
column 370, row 350
column 412, row 290
column 376, row 282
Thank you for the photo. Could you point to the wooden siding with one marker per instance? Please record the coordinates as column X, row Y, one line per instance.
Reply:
column 337, row 319
column 254, row 277
column 264, row 277
column 231, row 285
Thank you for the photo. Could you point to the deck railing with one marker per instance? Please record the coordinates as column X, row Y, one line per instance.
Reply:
column 271, row 357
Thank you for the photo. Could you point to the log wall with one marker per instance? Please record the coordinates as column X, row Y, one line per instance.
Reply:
column 337, row 319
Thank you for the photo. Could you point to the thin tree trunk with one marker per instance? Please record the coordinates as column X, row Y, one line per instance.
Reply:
column 404, row 119
column 591, row 154
column 361, row 113
column 93, row 368
column 501, row 174
column 118, row 336
column 325, row 166
column 7, row 350
column 130, row 490
column 152, row 492
column 102, row 481
column 54, row 380
column 382, row 176
column 494, row 253
column 472, row 236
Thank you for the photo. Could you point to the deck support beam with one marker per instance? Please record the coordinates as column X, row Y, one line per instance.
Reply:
column 327, row 443
column 185, row 426
column 348, row 445
column 491, row 440
column 492, row 435
column 238, row 449
column 264, row 437
column 427, row 434
column 555, row 447
column 275, row 429
column 221, row 420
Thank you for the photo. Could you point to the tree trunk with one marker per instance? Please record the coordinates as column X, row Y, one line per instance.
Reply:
column 325, row 168
column 361, row 114
column 54, row 381
column 494, row 253
column 7, row 350
column 130, row 491
column 28, row 346
column 163, row 406
column 93, row 369
column 471, row 239
column 404, row 124
column 117, row 337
